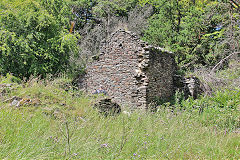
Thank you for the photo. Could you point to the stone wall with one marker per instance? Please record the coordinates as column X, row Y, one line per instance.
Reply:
column 130, row 71
column 161, row 69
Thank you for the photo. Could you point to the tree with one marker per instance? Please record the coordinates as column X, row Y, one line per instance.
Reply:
column 194, row 30
column 34, row 37
column 106, row 17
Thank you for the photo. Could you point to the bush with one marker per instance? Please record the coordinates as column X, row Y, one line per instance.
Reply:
column 34, row 37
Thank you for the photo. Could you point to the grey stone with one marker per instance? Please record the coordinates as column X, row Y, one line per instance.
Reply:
column 15, row 103
column 107, row 107
column 130, row 71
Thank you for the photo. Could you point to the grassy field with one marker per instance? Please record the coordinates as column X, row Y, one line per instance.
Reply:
column 54, row 121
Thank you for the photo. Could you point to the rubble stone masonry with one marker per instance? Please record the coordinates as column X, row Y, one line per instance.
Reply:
column 130, row 71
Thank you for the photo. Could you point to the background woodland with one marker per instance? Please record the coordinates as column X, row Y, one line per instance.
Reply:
column 35, row 36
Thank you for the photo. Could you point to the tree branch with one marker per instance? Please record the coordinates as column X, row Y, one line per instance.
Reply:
column 224, row 59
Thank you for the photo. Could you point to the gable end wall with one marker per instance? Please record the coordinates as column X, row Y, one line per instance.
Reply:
column 114, row 72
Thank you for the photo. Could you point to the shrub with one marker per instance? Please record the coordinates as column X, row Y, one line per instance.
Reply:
column 34, row 38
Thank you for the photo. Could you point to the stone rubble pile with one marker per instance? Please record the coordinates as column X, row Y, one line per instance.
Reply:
column 107, row 107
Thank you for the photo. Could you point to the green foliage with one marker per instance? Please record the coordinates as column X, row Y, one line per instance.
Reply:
column 196, row 31
column 175, row 26
column 104, row 8
column 56, row 121
column 9, row 79
column 64, row 125
column 221, row 109
column 34, row 38
column 227, row 99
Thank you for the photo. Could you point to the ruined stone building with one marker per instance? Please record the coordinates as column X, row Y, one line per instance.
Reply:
column 130, row 71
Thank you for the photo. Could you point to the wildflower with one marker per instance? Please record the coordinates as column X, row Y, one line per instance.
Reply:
column 105, row 145
column 75, row 154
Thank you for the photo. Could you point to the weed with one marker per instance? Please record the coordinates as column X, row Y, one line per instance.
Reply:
column 64, row 125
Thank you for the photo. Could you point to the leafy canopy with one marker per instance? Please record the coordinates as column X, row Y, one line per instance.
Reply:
column 34, row 37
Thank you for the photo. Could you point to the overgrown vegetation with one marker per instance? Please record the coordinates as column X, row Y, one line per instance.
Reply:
column 199, row 32
column 59, row 124
column 34, row 37
column 44, row 117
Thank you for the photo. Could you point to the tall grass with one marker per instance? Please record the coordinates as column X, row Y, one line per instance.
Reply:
column 63, row 125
